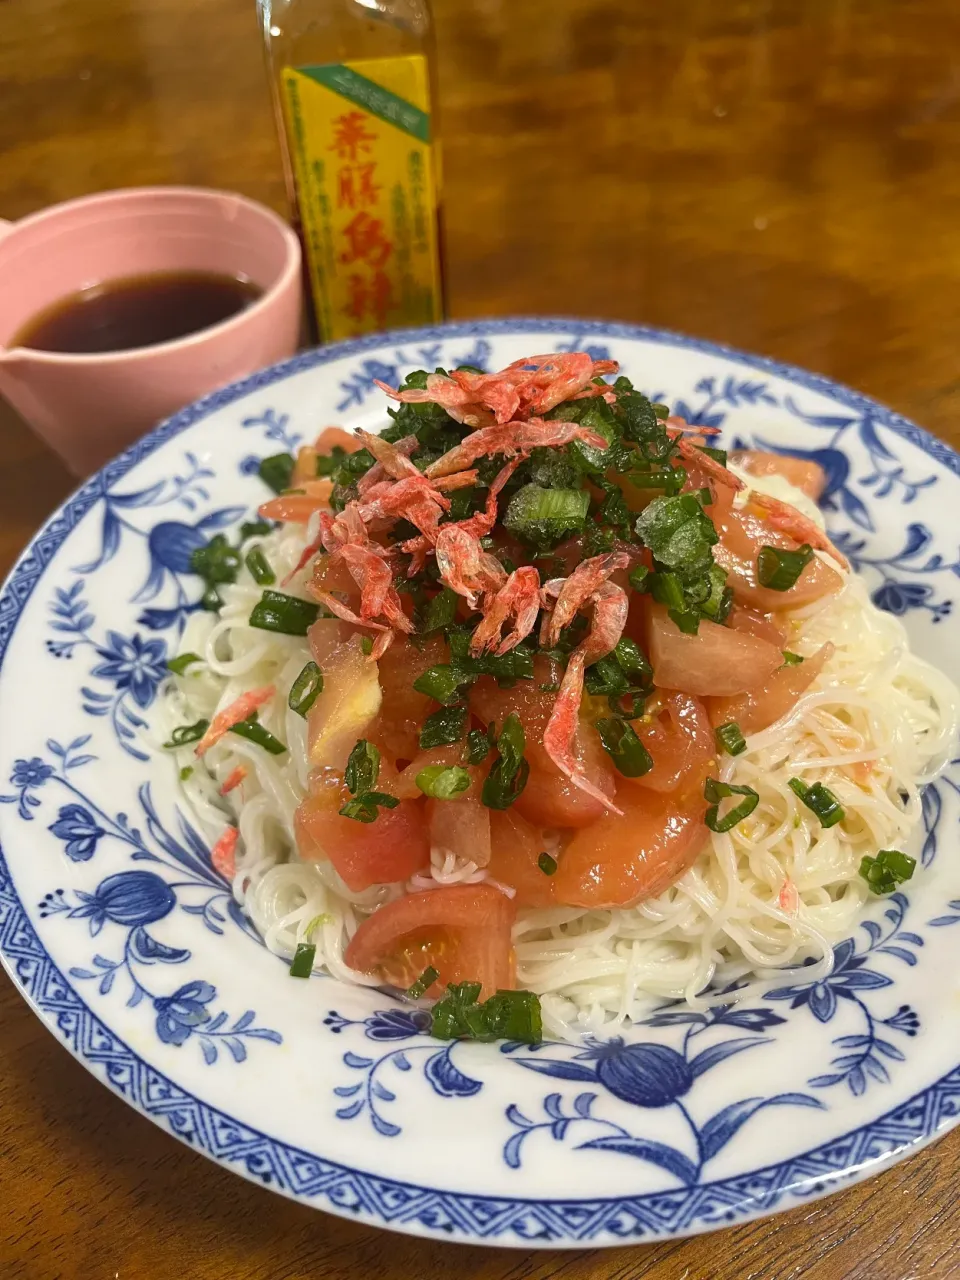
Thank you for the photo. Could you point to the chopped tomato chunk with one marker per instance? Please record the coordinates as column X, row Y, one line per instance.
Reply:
column 752, row 622
column 763, row 706
column 680, row 741
column 391, row 849
column 516, row 846
column 549, row 798
column 620, row 860
column 742, row 534
column 717, row 660
column 462, row 931
column 461, row 826
column 403, row 710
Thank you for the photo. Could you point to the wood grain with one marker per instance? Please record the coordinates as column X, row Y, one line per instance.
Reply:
column 777, row 174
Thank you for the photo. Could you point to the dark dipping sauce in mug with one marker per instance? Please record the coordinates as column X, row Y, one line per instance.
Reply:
column 137, row 311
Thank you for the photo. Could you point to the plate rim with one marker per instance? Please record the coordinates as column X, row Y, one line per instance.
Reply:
column 395, row 1204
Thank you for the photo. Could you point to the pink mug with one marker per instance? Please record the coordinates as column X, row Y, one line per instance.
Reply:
column 89, row 407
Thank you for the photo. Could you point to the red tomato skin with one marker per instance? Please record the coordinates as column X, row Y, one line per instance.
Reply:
column 623, row 859
column 462, row 930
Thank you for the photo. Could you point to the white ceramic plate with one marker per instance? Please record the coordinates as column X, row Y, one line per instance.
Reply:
column 121, row 936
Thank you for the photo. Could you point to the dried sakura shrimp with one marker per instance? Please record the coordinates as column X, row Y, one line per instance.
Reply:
column 345, row 537
column 610, row 607
column 346, row 614
column 675, row 424
column 445, row 392
column 512, row 438
column 524, row 388
column 573, row 592
column 234, row 779
column 379, row 471
column 413, row 498
column 223, row 855
column 713, row 469
column 787, row 519
column 241, row 709
column 477, row 525
column 519, row 597
column 464, row 565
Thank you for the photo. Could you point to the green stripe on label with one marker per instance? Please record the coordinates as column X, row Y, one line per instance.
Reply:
column 372, row 97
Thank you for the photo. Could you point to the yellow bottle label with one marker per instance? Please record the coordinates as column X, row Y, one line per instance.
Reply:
column 363, row 162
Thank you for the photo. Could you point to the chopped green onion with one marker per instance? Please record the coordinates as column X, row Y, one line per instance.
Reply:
column 440, row 611
column 779, row 569
column 791, row 659
column 820, row 800
column 515, row 665
column 547, row 864
column 508, row 776
column 184, row 734
column 363, row 767
column 633, row 660
column 442, row 782
column 366, row 646
column 186, row 772
column 887, row 870
column 666, row 588
column 442, row 682
column 259, row 567
column 287, row 615
column 301, row 966
column 305, row 689
column 253, row 731
column 418, row 989
column 545, row 516
column 687, row 620
column 718, row 455
column 638, row 577
column 514, row 1015
column 730, row 739
column 507, row 1015
column 478, row 746
column 364, row 807
column 658, row 478
column 327, row 463
column 360, row 775
column 216, row 561
column 624, row 748
column 714, row 791
column 629, row 705
column 255, row 529
column 719, row 602
column 605, row 677
column 444, row 727
column 179, row 664
column 276, row 471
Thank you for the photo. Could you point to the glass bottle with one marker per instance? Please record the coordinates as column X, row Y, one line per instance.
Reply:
column 353, row 92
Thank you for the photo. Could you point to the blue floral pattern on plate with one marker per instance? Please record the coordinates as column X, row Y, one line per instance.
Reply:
column 691, row 1120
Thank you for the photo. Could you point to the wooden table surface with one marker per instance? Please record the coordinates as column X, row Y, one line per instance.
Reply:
column 783, row 175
